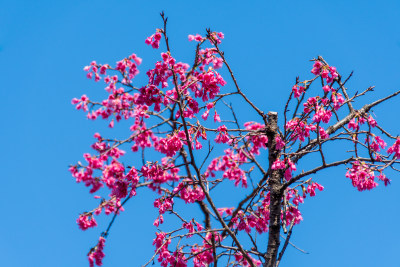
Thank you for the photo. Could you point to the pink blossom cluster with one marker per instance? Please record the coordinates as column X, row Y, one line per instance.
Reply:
column 149, row 95
column 279, row 143
column 223, row 136
column 291, row 167
column 278, row 164
column 327, row 72
column 169, row 145
column 188, row 192
column 142, row 137
column 211, row 82
column 194, row 134
column 258, row 140
column 93, row 69
column 321, row 114
column 81, row 103
column 204, row 255
column 128, row 67
column 246, row 222
column 311, row 188
column 162, row 71
column 298, row 90
column 354, row 124
column 259, row 219
column 292, row 212
column 395, row 148
column 227, row 211
column 382, row 177
column 163, row 204
column 154, row 40
column 376, row 144
column 96, row 255
column 311, row 104
column 206, row 113
column 190, row 226
column 243, row 262
column 165, row 257
column 86, row 175
column 357, row 121
column 229, row 164
column 168, row 122
column 362, row 176
column 113, row 174
column 301, row 130
column 86, row 221
column 337, row 99
column 196, row 37
column 161, row 243
column 160, row 174
column 217, row 37
column 208, row 56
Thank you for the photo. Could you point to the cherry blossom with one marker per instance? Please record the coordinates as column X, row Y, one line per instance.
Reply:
column 188, row 157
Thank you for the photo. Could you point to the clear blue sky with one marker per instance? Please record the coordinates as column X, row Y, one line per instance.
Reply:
column 43, row 48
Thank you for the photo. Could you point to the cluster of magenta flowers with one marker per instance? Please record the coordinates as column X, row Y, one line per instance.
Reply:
column 181, row 97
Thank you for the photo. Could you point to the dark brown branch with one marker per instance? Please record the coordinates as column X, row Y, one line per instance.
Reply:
column 286, row 243
column 333, row 128
column 275, row 194
column 315, row 170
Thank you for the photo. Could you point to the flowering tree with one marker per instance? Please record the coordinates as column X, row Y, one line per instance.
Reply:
column 170, row 115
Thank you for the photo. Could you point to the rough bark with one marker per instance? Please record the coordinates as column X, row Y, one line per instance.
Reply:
column 275, row 194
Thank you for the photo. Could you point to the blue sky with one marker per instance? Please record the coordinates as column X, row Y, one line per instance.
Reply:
column 44, row 46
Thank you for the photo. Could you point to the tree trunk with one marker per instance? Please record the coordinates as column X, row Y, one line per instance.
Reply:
column 274, row 184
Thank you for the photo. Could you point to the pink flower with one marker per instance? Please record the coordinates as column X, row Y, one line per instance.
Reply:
column 243, row 262
column 297, row 90
column 353, row 124
column 337, row 99
column 222, row 136
column 86, row 221
column 291, row 168
column 371, row 121
column 383, row 178
column 395, row 148
column 311, row 188
column 322, row 133
column 362, row 176
column 163, row 204
column 210, row 105
column 257, row 139
column 327, row 88
column 218, row 62
column 103, row 69
column 278, row 164
column 205, row 115
column 154, row 40
column 216, row 117
column 170, row 145
column 279, row 143
column 111, row 124
column 196, row 38
column 325, row 74
column 316, row 68
column 96, row 255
